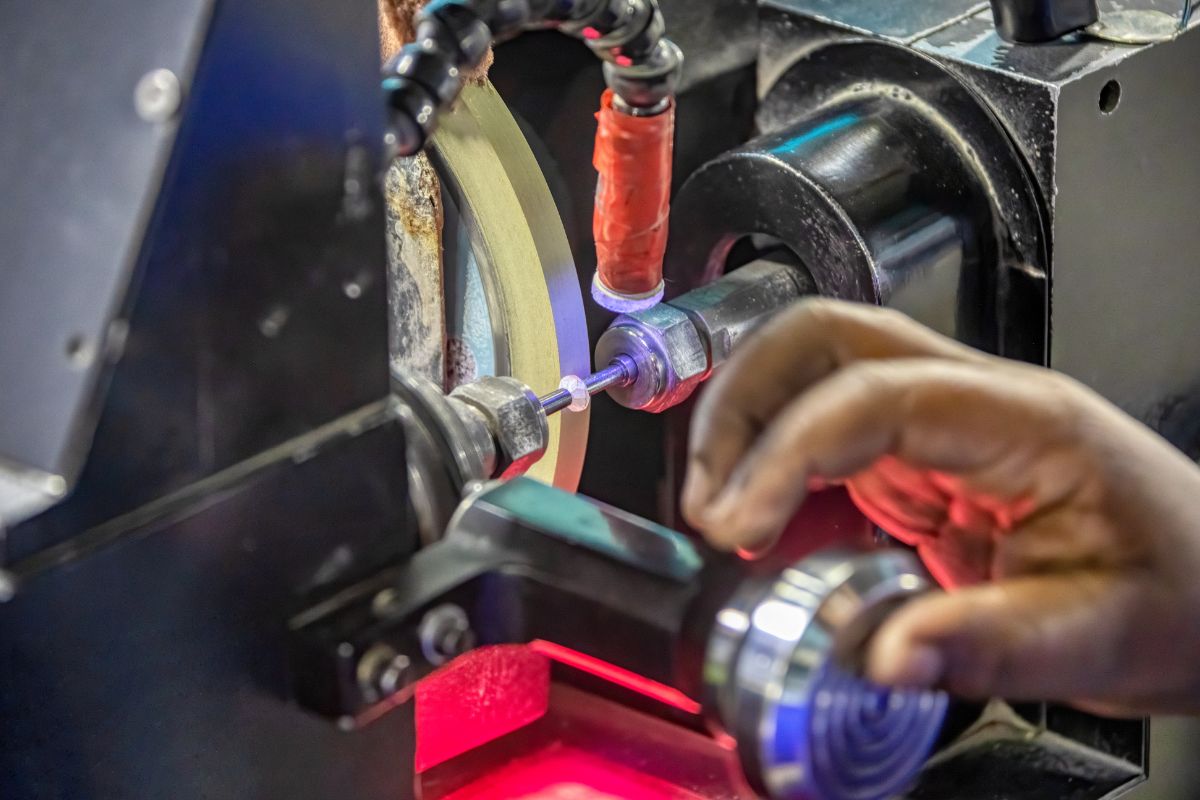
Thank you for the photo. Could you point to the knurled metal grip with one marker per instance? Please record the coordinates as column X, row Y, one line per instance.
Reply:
column 781, row 678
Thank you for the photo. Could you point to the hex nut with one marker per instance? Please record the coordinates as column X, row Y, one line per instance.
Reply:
column 516, row 419
column 670, row 355
column 727, row 310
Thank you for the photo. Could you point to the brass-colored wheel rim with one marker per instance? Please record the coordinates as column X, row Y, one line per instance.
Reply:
column 530, row 285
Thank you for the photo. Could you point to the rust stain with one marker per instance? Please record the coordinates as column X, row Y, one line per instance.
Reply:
column 414, row 199
column 413, row 196
column 416, row 297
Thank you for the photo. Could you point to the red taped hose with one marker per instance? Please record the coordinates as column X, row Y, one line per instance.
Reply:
column 633, row 200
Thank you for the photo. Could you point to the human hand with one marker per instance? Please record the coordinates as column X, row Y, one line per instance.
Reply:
column 1068, row 533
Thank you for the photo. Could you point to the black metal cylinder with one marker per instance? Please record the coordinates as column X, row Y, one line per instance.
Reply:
column 890, row 184
column 1042, row 20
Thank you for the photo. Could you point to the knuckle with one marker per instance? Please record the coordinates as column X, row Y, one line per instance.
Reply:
column 820, row 317
column 867, row 377
column 1065, row 405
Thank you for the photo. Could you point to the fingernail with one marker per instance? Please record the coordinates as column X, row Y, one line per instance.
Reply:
column 921, row 667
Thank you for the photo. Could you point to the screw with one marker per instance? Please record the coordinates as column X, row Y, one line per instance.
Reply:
column 392, row 677
column 272, row 324
column 80, row 352
column 157, row 96
column 382, row 672
column 386, row 603
column 445, row 633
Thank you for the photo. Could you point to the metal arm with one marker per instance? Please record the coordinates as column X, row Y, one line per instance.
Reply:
column 766, row 654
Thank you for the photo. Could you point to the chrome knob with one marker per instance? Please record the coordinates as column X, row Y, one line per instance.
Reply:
column 781, row 677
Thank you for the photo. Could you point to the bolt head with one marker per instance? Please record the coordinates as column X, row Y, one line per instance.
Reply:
column 445, row 633
column 157, row 96
column 394, row 675
column 670, row 355
column 382, row 672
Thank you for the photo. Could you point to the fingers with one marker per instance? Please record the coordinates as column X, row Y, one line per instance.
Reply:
column 952, row 416
column 788, row 355
column 1048, row 637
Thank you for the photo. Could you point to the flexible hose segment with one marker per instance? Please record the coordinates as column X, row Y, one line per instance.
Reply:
column 633, row 158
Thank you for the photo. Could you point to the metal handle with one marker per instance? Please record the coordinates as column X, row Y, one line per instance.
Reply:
column 780, row 676
column 1042, row 20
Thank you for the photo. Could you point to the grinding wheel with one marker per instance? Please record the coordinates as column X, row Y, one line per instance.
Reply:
column 482, row 277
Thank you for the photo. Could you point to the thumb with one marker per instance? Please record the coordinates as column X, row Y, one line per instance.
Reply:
column 1049, row 637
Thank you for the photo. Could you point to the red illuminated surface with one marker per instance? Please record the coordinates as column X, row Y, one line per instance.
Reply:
column 559, row 772
column 496, row 690
column 614, row 674
column 480, row 697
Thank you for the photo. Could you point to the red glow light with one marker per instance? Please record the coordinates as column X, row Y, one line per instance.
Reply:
column 494, row 691
column 591, row 33
column 565, row 773
column 614, row 674
column 480, row 697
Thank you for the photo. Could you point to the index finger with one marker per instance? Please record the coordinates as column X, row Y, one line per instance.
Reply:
column 796, row 349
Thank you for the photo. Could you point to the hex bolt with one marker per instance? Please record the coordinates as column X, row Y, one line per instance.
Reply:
column 445, row 633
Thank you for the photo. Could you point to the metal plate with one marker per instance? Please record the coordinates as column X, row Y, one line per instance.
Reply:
column 81, row 170
column 903, row 21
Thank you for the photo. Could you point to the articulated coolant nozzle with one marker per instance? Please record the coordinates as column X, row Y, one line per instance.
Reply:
column 636, row 121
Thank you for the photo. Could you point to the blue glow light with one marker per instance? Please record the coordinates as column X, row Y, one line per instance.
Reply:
column 820, row 131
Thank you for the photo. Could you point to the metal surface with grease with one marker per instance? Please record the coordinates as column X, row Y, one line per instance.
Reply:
column 416, row 291
column 890, row 182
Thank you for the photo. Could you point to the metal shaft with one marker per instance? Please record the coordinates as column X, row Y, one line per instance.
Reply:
column 620, row 372
column 677, row 344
